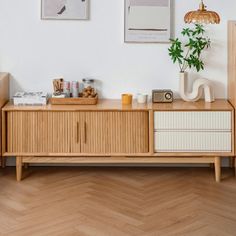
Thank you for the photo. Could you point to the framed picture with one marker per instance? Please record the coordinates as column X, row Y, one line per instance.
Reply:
column 147, row 21
column 65, row 9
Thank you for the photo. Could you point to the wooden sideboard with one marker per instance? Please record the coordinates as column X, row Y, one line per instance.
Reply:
column 110, row 133
column 4, row 96
column 232, row 66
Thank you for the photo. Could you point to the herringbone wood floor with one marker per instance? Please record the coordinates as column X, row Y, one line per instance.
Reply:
column 66, row 201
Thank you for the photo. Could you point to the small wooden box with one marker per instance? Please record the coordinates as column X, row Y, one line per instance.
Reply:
column 74, row 101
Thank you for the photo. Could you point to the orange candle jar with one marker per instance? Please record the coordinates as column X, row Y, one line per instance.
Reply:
column 127, row 99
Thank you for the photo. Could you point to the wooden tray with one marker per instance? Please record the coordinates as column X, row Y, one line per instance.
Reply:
column 74, row 101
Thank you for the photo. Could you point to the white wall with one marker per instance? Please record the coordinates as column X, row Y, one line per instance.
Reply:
column 34, row 51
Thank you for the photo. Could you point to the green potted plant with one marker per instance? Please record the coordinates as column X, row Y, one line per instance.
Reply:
column 187, row 55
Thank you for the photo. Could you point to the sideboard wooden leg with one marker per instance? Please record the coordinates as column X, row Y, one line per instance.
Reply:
column 218, row 169
column 18, row 168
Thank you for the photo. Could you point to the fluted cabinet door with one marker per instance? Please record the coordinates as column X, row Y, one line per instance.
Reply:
column 50, row 133
column 40, row 132
column 94, row 132
column 114, row 132
column 129, row 132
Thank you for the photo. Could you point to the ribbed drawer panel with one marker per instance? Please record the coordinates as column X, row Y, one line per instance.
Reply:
column 184, row 141
column 192, row 120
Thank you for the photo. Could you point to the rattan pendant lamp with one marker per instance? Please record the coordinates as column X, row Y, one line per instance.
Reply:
column 202, row 16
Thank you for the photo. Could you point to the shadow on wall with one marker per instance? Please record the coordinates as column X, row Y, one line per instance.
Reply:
column 14, row 86
column 99, row 87
column 219, row 88
column 212, row 58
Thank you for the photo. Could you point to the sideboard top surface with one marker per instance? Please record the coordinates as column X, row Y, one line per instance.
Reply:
column 115, row 105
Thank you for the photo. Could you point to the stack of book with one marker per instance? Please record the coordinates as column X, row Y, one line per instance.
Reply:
column 30, row 98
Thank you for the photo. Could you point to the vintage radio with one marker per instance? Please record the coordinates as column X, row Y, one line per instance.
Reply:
column 162, row 96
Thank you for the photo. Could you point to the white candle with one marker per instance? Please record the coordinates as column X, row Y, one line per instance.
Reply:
column 142, row 98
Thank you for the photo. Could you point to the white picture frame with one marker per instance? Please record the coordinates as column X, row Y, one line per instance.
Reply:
column 65, row 9
column 148, row 21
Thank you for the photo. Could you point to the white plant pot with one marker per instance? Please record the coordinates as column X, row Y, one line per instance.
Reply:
column 200, row 87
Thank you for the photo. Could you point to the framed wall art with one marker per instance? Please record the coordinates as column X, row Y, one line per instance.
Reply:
column 65, row 9
column 148, row 21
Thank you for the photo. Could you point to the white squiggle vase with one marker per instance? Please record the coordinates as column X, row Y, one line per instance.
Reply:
column 200, row 86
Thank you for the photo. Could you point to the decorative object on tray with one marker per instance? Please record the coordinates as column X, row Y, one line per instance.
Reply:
column 75, row 89
column 188, row 55
column 202, row 16
column 88, row 92
column 62, row 95
column 30, row 98
column 162, row 96
column 66, row 88
column 65, row 9
column 71, row 94
column 88, row 82
column 58, row 86
column 147, row 21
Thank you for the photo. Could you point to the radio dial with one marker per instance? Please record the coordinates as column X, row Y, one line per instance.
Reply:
column 168, row 96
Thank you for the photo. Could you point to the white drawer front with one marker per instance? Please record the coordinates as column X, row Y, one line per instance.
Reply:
column 192, row 120
column 189, row 141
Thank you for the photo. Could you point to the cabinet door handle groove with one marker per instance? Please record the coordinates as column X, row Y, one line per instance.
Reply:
column 85, row 132
column 78, row 133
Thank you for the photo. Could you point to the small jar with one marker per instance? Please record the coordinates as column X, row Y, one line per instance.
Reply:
column 89, row 83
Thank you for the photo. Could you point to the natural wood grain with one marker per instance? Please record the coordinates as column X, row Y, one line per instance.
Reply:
column 193, row 154
column 82, row 154
column 232, row 62
column 217, row 169
column 18, row 168
column 232, row 70
column 116, row 105
column 4, row 88
column 121, row 160
column 233, row 120
column 79, row 120
column 4, row 96
column 39, row 132
column 105, row 130
column 151, row 132
column 89, row 201
column 77, row 132
column 180, row 105
column 4, row 137
column 118, row 160
column 74, row 101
